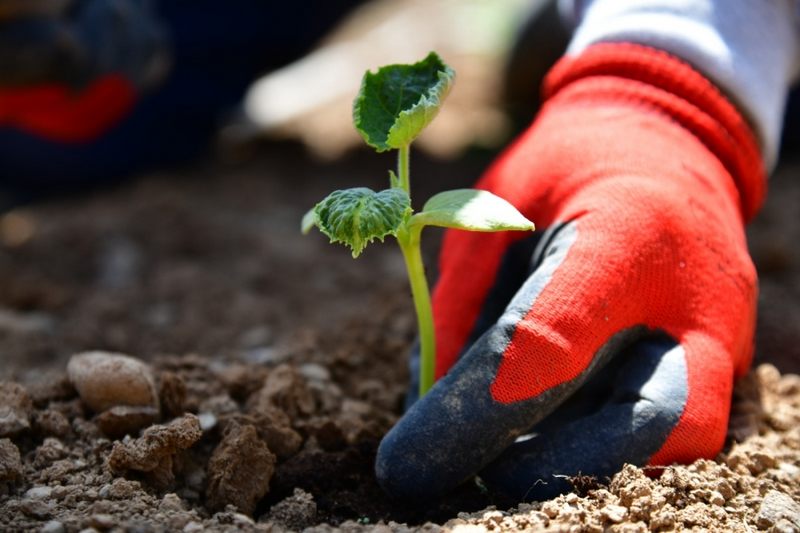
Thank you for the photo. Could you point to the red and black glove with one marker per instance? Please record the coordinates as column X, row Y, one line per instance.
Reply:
column 615, row 335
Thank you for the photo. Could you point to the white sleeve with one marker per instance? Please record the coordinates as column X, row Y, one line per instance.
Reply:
column 749, row 48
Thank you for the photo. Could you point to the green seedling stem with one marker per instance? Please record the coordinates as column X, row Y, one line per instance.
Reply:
column 393, row 106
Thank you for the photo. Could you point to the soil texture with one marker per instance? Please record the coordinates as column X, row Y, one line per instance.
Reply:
column 177, row 357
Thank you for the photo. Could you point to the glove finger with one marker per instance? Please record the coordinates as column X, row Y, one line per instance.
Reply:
column 479, row 273
column 644, row 393
column 461, row 425
column 517, row 264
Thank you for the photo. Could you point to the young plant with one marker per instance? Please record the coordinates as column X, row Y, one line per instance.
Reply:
column 392, row 108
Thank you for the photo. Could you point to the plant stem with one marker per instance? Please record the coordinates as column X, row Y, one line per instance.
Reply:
column 403, row 163
column 409, row 240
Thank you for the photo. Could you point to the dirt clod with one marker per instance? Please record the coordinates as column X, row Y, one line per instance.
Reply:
column 50, row 451
column 16, row 408
column 52, row 422
column 286, row 389
column 123, row 420
column 10, row 465
column 50, row 387
column 273, row 428
column 104, row 380
column 155, row 453
column 240, row 470
column 295, row 512
column 172, row 393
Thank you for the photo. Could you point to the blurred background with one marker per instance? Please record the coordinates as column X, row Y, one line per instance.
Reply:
column 156, row 158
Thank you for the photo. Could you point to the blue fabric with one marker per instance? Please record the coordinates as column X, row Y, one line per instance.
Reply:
column 623, row 415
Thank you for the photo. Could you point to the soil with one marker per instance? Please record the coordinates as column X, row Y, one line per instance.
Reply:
column 267, row 366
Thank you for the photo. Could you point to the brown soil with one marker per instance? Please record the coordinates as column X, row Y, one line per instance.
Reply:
column 279, row 363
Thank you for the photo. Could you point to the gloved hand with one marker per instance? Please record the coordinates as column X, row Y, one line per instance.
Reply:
column 614, row 335
column 72, row 69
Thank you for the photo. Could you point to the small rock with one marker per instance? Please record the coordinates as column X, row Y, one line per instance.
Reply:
column 296, row 512
column 242, row 521
column 775, row 507
column 39, row 493
column 784, row 526
column 551, row 509
column 102, row 521
column 239, row 470
column 104, row 380
column 725, row 489
column 52, row 423
column 715, row 498
column 37, row 508
column 50, row 451
column 16, row 408
column 207, row 421
column 53, row 526
column 762, row 462
column 123, row 489
column 614, row 513
column 123, row 420
column 663, row 519
column 105, row 491
column 171, row 502
column 494, row 517
column 315, row 372
column 789, row 469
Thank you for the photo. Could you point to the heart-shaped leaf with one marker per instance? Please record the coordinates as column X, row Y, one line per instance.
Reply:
column 355, row 217
column 398, row 101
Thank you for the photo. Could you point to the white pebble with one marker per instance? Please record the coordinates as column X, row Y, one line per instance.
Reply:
column 39, row 493
column 53, row 526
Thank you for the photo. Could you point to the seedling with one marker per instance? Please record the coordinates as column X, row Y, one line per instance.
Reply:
column 392, row 108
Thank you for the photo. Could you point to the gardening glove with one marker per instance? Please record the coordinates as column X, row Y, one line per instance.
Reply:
column 72, row 69
column 614, row 335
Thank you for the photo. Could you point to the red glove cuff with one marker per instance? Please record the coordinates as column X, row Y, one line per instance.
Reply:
column 672, row 87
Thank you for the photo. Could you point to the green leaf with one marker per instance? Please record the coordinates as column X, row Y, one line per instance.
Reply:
column 396, row 103
column 309, row 221
column 473, row 210
column 355, row 217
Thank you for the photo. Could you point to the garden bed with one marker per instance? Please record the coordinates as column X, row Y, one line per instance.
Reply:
column 290, row 358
